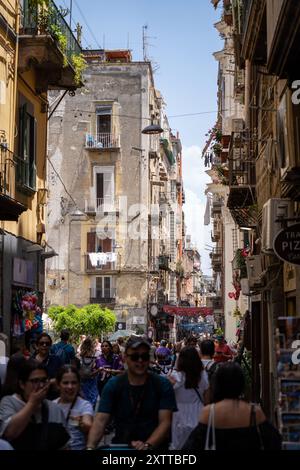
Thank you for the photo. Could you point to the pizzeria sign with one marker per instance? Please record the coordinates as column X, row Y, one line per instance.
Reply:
column 287, row 244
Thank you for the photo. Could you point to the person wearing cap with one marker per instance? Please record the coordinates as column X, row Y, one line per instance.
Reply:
column 140, row 402
column 223, row 352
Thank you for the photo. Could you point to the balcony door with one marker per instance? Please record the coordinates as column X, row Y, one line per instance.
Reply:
column 104, row 188
column 97, row 244
column 103, row 126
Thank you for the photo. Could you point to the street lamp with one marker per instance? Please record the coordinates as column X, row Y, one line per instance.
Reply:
column 152, row 129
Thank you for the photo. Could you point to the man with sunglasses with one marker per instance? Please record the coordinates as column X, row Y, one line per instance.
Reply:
column 140, row 402
column 51, row 362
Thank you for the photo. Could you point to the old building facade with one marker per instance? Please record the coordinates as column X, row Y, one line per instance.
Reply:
column 114, row 230
column 31, row 62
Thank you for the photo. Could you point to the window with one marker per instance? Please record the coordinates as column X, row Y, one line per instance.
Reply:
column 102, row 288
column 97, row 244
column 26, row 167
column 103, row 126
column 104, row 188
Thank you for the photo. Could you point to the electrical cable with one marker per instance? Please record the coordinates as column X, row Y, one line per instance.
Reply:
column 87, row 25
column 60, row 179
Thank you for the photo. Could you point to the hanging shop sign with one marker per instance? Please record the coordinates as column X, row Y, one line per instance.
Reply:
column 121, row 325
column 187, row 311
column 287, row 244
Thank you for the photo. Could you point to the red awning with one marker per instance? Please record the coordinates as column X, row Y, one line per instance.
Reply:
column 187, row 311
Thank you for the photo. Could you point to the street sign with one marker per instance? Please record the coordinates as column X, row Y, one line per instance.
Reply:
column 121, row 325
column 287, row 244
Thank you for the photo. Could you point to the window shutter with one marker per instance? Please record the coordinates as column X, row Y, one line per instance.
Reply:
column 22, row 125
column 107, row 287
column 107, row 248
column 91, row 242
column 108, row 189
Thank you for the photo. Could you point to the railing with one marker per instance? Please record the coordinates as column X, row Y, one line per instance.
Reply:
column 101, row 205
column 110, row 266
column 103, row 295
column 38, row 20
column 241, row 166
column 6, row 163
column 102, row 141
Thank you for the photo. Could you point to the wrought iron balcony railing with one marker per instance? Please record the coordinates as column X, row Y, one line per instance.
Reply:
column 103, row 296
column 47, row 19
column 102, row 141
column 102, row 205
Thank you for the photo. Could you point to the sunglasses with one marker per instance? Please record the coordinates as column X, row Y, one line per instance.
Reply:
column 136, row 356
column 44, row 343
column 38, row 380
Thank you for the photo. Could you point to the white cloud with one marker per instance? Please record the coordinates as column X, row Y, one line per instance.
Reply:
column 194, row 181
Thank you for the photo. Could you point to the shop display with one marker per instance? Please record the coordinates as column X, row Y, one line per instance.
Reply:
column 288, row 372
column 26, row 316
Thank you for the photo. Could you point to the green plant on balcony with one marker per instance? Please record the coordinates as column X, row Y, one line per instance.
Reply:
column 79, row 65
column 61, row 40
column 217, row 148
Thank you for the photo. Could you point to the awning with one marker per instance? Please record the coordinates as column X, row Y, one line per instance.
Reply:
column 187, row 311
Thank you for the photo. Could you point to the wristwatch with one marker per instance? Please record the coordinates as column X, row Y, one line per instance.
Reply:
column 148, row 446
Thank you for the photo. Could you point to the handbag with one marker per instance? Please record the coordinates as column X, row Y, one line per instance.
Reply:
column 211, row 430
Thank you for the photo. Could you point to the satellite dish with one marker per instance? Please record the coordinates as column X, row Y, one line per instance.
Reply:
column 154, row 310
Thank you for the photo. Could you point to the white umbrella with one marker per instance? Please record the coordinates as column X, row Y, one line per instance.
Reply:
column 121, row 333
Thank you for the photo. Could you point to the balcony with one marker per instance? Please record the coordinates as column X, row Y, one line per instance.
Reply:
column 215, row 237
column 103, row 296
column 216, row 260
column 216, row 209
column 10, row 209
column 102, row 206
column 102, row 142
column 242, row 180
column 47, row 43
column 94, row 264
column 163, row 262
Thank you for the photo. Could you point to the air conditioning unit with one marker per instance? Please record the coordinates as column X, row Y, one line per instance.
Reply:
column 273, row 210
column 238, row 125
column 254, row 271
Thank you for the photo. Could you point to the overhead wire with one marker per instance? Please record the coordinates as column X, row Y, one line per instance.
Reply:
column 87, row 25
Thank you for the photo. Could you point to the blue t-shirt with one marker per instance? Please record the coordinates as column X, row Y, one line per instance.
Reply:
column 135, row 408
column 68, row 351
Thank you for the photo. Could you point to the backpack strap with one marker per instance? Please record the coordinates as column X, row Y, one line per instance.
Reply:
column 199, row 394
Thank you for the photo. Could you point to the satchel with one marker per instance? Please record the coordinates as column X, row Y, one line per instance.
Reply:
column 211, row 430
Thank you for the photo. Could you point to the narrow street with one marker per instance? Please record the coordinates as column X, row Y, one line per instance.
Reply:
column 150, row 226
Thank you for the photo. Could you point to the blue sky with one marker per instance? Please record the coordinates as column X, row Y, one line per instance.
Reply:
column 181, row 42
